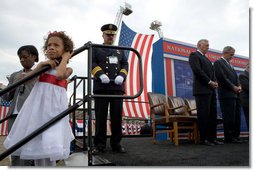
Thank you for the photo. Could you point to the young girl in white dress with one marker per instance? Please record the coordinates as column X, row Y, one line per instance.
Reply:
column 47, row 99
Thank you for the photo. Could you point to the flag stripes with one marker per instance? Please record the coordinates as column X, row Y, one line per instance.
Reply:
column 142, row 43
column 4, row 107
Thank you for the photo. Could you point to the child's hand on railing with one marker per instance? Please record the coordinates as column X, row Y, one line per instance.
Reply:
column 52, row 63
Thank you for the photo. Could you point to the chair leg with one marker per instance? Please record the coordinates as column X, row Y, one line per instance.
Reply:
column 195, row 131
column 175, row 127
column 190, row 135
column 154, row 133
column 170, row 136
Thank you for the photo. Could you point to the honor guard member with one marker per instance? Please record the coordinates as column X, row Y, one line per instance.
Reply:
column 110, row 69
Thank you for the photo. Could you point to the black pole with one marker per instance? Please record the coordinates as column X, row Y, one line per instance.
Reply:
column 89, row 108
column 74, row 115
column 84, row 117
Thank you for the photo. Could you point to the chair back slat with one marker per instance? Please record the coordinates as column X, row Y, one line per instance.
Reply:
column 191, row 104
column 175, row 102
column 156, row 98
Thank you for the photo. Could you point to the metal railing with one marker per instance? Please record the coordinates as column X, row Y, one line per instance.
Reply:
column 49, row 123
column 87, row 98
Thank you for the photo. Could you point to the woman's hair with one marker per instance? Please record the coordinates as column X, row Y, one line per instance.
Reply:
column 30, row 49
column 68, row 43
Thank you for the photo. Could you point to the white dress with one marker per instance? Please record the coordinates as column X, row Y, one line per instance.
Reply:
column 45, row 101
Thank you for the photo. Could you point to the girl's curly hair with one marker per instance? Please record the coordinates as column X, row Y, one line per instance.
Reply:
column 68, row 43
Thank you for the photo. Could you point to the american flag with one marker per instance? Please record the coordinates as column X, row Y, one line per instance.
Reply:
column 142, row 43
column 4, row 107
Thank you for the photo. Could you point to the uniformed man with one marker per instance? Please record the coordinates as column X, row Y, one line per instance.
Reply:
column 110, row 69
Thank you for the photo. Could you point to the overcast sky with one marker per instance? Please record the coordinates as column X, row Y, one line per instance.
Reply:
column 222, row 22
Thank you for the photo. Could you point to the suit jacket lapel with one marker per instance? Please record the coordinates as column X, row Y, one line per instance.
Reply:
column 228, row 65
column 204, row 57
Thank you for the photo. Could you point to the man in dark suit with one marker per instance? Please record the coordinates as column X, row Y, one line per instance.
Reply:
column 204, row 85
column 228, row 91
column 244, row 94
column 110, row 69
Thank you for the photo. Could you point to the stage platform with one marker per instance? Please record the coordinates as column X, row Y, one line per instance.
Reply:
column 141, row 152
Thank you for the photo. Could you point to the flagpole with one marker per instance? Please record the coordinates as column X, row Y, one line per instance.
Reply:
column 126, row 10
column 155, row 25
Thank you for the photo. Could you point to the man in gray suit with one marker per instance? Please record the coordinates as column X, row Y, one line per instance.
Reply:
column 28, row 55
column 228, row 92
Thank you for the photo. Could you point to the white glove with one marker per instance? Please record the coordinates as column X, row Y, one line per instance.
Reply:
column 104, row 79
column 119, row 80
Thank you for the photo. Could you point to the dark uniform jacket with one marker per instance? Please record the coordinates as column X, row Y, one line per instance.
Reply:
column 227, row 79
column 203, row 72
column 244, row 95
column 111, row 62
